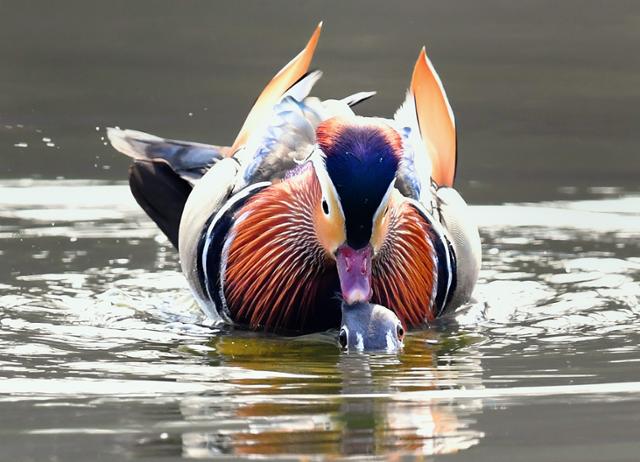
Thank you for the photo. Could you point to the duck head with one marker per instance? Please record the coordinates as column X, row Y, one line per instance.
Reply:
column 336, row 223
column 367, row 326
column 356, row 169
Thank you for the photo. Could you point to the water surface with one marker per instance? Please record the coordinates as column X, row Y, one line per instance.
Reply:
column 102, row 349
column 103, row 354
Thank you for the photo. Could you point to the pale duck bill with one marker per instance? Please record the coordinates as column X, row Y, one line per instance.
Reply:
column 354, row 272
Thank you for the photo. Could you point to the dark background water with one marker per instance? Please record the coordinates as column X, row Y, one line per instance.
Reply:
column 546, row 93
column 101, row 351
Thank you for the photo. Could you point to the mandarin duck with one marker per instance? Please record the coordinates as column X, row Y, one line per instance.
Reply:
column 316, row 218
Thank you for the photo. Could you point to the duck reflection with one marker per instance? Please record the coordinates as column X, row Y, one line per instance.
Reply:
column 378, row 390
column 303, row 396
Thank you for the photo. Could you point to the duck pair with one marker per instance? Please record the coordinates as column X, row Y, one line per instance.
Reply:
column 312, row 201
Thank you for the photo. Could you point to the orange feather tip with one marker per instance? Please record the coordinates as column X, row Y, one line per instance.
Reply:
column 435, row 119
column 279, row 84
column 425, row 68
column 303, row 59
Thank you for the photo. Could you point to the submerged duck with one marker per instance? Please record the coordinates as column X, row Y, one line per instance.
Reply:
column 311, row 201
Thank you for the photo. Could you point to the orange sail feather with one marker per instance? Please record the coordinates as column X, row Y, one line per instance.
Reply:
column 435, row 119
column 277, row 87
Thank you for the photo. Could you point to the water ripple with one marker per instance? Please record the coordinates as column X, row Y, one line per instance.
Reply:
column 96, row 321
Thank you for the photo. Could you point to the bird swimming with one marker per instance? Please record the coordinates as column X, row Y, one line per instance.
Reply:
column 316, row 218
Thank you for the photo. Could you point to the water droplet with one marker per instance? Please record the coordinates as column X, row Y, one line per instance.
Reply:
column 21, row 145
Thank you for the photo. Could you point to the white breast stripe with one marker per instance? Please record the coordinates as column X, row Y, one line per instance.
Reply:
column 440, row 233
column 230, row 203
column 223, row 259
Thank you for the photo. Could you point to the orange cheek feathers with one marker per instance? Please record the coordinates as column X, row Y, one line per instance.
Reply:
column 330, row 229
column 381, row 222
column 380, row 227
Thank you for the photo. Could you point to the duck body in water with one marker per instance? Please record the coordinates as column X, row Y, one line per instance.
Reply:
column 312, row 201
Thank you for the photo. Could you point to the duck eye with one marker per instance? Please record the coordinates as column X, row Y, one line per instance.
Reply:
column 325, row 207
column 400, row 332
column 342, row 338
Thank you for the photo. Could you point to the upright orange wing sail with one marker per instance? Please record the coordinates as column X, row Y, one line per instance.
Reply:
column 436, row 121
column 272, row 93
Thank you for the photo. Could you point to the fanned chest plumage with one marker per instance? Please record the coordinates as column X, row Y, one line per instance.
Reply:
column 275, row 275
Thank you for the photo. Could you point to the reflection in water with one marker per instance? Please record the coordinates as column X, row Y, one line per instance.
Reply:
column 336, row 404
column 394, row 426
column 98, row 332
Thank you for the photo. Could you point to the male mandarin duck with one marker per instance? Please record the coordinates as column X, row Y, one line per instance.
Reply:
column 315, row 214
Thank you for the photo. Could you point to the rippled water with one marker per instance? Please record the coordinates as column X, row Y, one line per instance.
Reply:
column 103, row 355
column 103, row 351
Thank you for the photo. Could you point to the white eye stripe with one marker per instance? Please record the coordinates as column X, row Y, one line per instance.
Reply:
column 327, row 187
column 377, row 233
column 385, row 200
column 320, row 168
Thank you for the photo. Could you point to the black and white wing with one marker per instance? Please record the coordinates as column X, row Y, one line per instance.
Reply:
column 188, row 159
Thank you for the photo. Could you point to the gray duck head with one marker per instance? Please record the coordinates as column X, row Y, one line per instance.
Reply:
column 367, row 326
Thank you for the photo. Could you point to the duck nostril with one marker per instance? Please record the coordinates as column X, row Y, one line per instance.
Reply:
column 342, row 338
